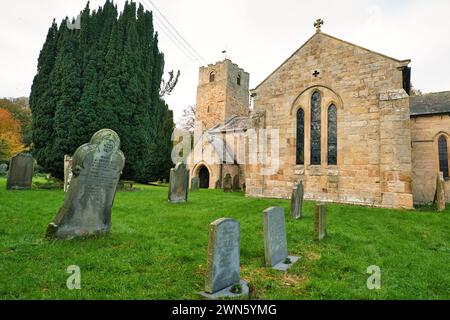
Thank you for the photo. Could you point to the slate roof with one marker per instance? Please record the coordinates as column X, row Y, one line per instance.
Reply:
column 233, row 124
column 430, row 104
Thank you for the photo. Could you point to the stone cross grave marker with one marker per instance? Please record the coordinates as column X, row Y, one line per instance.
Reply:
column 440, row 193
column 320, row 221
column 179, row 184
column 275, row 241
column 20, row 174
column 195, row 184
column 67, row 172
column 97, row 167
column 297, row 200
column 227, row 183
column 223, row 265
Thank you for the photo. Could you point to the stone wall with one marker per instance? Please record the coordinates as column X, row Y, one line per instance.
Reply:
column 425, row 132
column 354, row 79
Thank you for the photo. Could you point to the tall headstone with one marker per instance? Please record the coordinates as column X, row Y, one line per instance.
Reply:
column 97, row 167
column 67, row 172
column 3, row 169
column 227, row 184
column 297, row 200
column 275, row 240
column 195, row 184
column 20, row 174
column 320, row 221
column 223, row 265
column 440, row 193
column 179, row 184
column 236, row 183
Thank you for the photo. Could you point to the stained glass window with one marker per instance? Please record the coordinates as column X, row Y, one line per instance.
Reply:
column 443, row 156
column 300, row 137
column 332, row 135
column 315, row 128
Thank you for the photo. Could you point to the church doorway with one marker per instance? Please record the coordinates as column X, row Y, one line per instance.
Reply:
column 203, row 174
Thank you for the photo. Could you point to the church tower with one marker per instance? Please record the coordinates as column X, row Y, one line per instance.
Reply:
column 223, row 92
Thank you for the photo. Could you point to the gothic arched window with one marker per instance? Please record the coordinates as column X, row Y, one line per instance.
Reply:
column 212, row 76
column 300, row 137
column 332, row 135
column 239, row 80
column 443, row 156
column 315, row 128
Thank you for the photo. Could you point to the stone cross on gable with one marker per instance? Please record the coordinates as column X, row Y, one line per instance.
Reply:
column 318, row 24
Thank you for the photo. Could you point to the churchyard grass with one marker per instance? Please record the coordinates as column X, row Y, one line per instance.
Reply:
column 157, row 250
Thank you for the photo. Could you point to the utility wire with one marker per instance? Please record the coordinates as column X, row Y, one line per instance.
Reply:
column 197, row 55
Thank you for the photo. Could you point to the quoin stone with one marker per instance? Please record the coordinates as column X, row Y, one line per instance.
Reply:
column 67, row 172
column 297, row 200
column 320, row 221
column 20, row 174
column 223, row 265
column 97, row 167
column 275, row 240
column 440, row 193
column 195, row 184
column 179, row 184
column 227, row 183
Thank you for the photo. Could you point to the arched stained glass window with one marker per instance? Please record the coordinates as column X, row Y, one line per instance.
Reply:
column 332, row 135
column 300, row 137
column 443, row 156
column 315, row 128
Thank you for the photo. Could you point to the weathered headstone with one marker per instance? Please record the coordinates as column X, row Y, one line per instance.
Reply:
column 218, row 184
column 440, row 193
column 223, row 265
column 67, row 172
column 297, row 201
column 236, row 183
column 20, row 174
column 227, row 183
column 320, row 221
column 3, row 169
column 179, row 184
column 97, row 167
column 275, row 241
column 195, row 184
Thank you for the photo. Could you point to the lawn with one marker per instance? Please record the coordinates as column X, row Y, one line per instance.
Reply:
column 157, row 250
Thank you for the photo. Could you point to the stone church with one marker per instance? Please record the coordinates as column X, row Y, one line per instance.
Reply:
column 345, row 125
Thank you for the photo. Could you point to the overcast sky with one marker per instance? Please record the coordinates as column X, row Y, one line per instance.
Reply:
column 258, row 35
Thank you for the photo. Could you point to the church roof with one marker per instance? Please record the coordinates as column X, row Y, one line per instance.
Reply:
column 430, row 104
column 406, row 62
column 233, row 124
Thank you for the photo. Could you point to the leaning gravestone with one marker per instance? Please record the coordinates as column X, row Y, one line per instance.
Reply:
column 223, row 266
column 20, row 174
column 195, row 184
column 440, row 193
column 275, row 241
column 179, row 184
column 320, row 221
column 97, row 167
column 227, row 183
column 297, row 200
column 236, row 183
column 67, row 172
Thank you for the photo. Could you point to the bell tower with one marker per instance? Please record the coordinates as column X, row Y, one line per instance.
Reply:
column 223, row 92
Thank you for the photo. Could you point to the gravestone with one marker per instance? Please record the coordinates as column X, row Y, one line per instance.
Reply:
column 97, row 167
column 223, row 265
column 227, row 183
column 275, row 241
column 320, row 221
column 195, row 184
column 297, row 201
column 179, row 184
column 236, row 184
column 218, row 184
column 3, row 169
column 67, row 172
column 440, row 193
column 20, row 174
